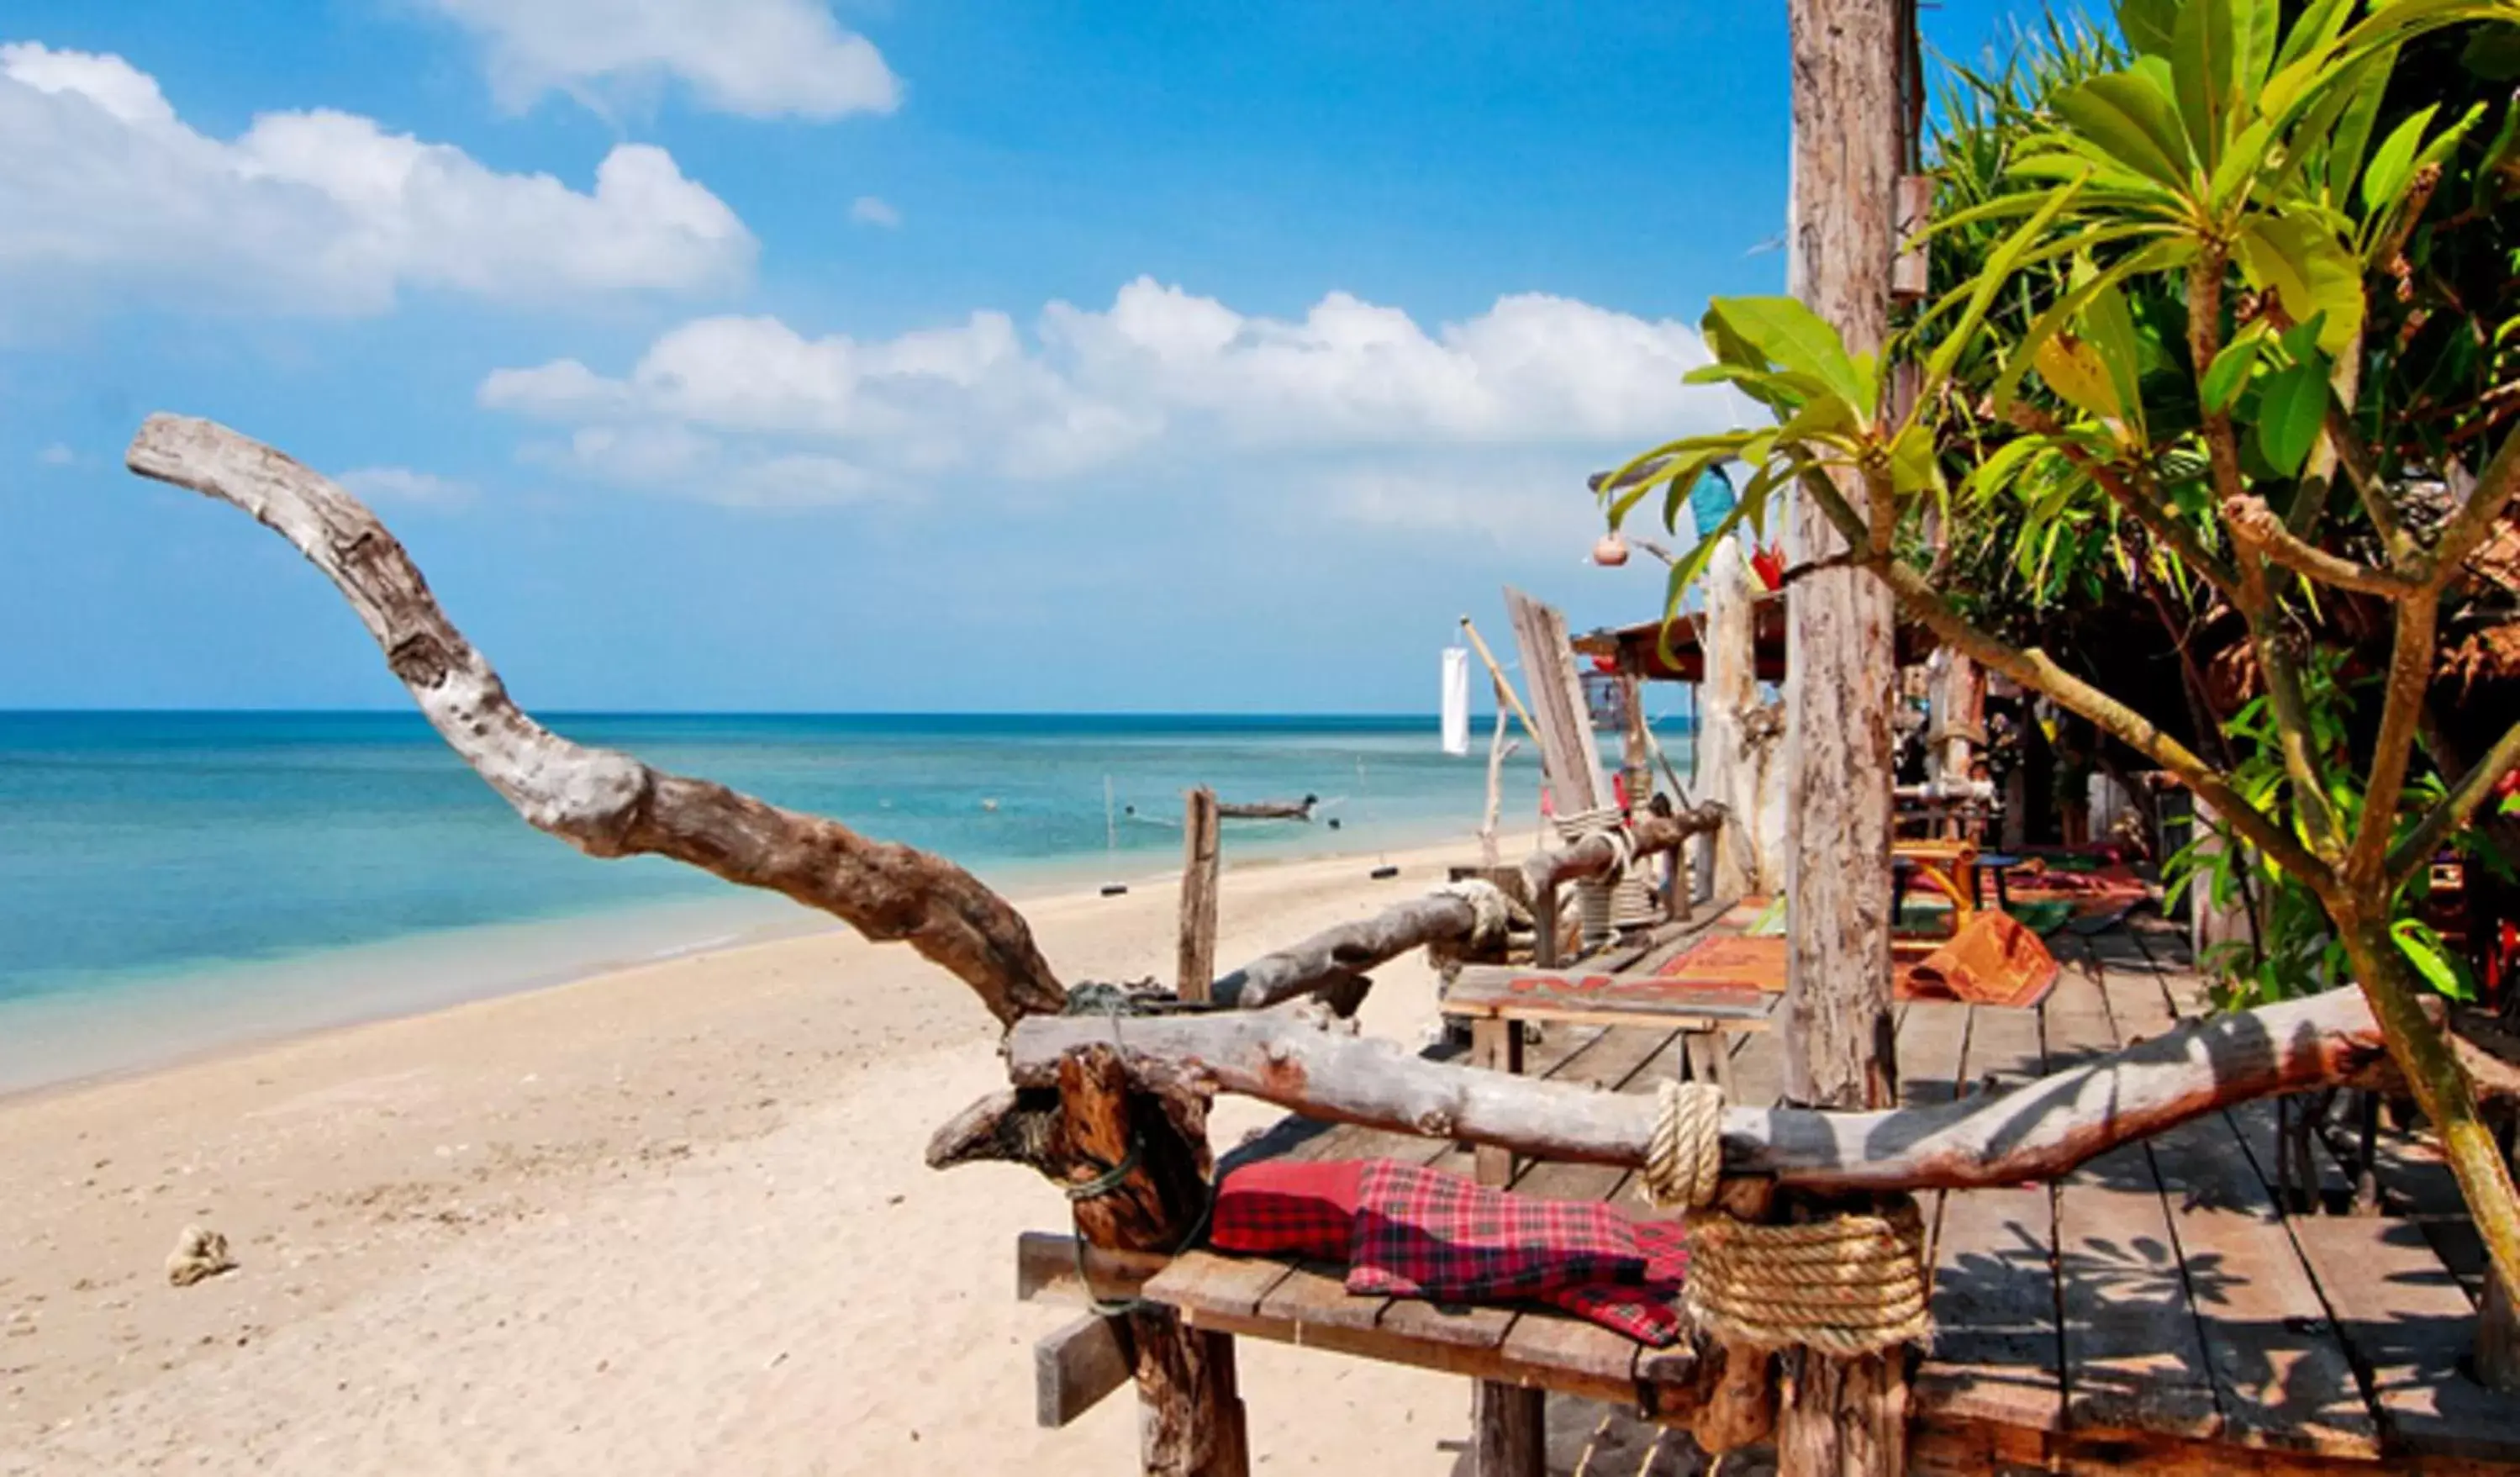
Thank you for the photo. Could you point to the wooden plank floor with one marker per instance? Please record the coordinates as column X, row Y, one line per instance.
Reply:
column 2156, row 1309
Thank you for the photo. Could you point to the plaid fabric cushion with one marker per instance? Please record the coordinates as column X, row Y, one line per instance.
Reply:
column 1283, row 1208
column 1438, row 1237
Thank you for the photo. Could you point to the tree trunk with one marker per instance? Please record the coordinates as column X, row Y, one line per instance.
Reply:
column 1841, row 1417
column 2424, row 1053
column 1841, row 661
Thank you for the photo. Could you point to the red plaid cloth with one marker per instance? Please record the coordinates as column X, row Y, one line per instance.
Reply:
column 1414, row 1232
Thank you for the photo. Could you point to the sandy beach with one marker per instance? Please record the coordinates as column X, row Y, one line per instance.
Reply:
column 667, row 1220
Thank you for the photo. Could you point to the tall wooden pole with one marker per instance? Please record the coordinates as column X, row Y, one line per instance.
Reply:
column 1200, row 848
column 1850, row 142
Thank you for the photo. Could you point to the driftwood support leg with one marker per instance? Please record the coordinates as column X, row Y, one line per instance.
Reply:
column 1736, row 1405
column 1190, row 1413
column 1508, row 1430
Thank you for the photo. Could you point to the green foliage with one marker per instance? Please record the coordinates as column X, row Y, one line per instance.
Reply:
column 2170, row 264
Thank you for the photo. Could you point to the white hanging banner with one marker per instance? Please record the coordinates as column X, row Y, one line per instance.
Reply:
column 1457, row 700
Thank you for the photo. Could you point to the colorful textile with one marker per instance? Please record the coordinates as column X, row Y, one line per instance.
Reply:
column 1992, row 960
column 1411, row 1232
column 1294, row 1208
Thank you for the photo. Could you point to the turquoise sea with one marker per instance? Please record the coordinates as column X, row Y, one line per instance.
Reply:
column 176, row 882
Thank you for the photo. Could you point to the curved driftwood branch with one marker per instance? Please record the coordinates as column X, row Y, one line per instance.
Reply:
column 605, row 804
column 1338, row 956
column 2037, row 1131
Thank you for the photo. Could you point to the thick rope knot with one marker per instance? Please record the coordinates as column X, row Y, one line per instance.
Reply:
column 1685, row 1158
column 1848, row 1285
column 1621, row 899
column 1491, row 914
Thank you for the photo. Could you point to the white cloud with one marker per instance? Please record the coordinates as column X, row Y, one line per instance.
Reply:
column 868, row 210
column 319, row 212
column 1381, row 408
column 401, row 484
column 57, row 455
column 758, row 58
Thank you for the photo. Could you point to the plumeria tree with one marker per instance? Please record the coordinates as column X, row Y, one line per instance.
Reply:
column 2208, row 333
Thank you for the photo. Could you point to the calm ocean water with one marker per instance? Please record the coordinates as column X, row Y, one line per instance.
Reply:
column 171, row 881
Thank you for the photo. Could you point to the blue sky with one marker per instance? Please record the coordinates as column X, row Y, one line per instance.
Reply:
column 764, row 354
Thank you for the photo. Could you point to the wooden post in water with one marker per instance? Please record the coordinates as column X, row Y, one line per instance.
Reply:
column 1838, row 1415
column 1199, row 856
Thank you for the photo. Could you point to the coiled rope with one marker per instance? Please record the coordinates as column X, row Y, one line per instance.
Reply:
column 1623, row 899
column 1847, row 1285
column 1685, row 1158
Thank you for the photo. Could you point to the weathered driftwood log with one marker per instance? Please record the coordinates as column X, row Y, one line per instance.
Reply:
column 1338, row 956
column 2038, row 1131
column 605, row 804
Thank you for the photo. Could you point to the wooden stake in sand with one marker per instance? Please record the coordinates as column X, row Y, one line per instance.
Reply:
column 1199, row 860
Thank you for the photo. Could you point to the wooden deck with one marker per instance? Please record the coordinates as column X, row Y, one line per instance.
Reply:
column 2155, row 1311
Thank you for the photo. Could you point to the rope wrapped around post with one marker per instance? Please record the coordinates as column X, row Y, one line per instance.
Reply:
column 1847, row 1285
column 1623, row 899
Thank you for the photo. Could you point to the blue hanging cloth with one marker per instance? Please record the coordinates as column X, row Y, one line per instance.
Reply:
column 1711, row 501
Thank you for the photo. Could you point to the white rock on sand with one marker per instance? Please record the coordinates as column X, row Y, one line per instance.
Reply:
column 673, row 1219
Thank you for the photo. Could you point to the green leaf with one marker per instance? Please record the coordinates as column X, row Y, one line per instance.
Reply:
column 1787, row 332
column 2108, row 327
column 2201, row 60
column 2290, row 413
column 2130, row 123
column 1998, row 270
column 1914, row 467
column 2229, row 372
column 2308, row 269
column 2354, row 127
column 2074, row 370
column 2391, row 164
column 2159, row 256
column 2148, row 24
column 2321, row 23
column 2432, row 959
column 2253, row 36
column 2241, row 163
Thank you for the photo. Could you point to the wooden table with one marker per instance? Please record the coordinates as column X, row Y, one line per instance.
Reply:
column 2157, row 1311
column 1496, row 999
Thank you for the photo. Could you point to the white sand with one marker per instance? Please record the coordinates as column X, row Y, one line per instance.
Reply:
column 672, row 1220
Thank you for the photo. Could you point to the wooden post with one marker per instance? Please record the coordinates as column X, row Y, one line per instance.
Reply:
column 1508, row 1426
column 1499, row 747
column 1200, row 848
column 1849, row 146
column 1730, row 767
column 1636, row 754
